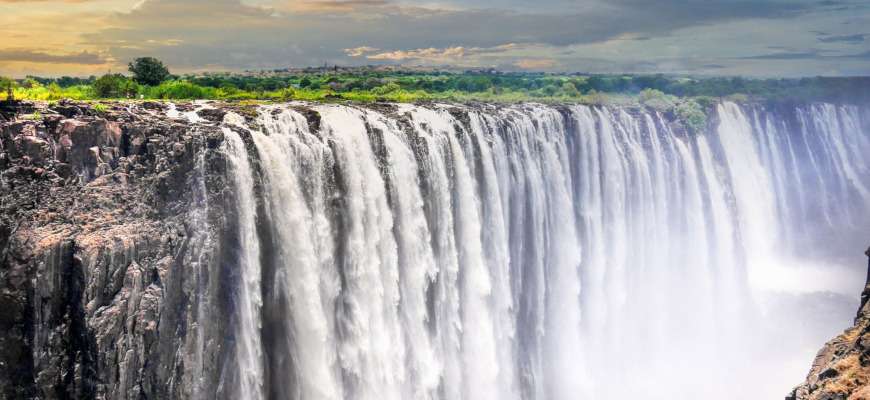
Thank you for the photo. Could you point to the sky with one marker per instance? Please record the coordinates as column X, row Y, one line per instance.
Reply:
column 764, row 38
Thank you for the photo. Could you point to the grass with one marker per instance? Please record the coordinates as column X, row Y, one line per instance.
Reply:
column 852, row 376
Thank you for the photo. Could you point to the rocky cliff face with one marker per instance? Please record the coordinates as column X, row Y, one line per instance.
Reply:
column 841, row 370
column 97, row 243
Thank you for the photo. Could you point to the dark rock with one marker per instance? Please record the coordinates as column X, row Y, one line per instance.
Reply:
column 36, row 149
column 63, row 170
column 95, row 301
column 212, row 114
column 153, row 105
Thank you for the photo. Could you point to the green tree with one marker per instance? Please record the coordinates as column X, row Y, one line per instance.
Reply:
column 569, row 89
column 149, row 71
column 6, row 86
column 114, row 86
column 30, row 83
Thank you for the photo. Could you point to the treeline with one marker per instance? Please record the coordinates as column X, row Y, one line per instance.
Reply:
column 149, row 79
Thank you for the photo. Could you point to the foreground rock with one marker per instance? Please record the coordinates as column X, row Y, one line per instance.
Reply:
column 97, row 243
column 841, row 370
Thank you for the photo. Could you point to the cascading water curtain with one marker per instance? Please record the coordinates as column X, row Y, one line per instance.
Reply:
column 536, row 252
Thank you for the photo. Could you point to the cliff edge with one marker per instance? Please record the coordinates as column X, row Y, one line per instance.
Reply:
column 841, row 370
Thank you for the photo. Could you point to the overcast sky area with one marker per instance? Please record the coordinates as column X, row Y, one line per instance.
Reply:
column 698, row 37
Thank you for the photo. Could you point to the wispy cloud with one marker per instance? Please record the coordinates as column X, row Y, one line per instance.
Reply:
column 783, row 56
column 331, row 6
column 854, row 39
column 33, row 56
column 46, row 1
column 430, row 54
column 536, row 64
column 360, row 51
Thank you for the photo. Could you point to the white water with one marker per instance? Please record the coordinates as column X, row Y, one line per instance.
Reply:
column 249, row 350
column 530, row 252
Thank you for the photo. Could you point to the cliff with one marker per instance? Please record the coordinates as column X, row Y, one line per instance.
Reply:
column 97, row 241
column 841, row 370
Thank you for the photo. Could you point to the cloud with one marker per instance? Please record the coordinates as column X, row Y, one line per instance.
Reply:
column 430, row 55
column 46, row 1
column 192, row 35
column 238, row 35
column 860, row 56
column 852, row 39
column 360, row 51
column 536, row 64
column 808, row 55
column 331, row 6
column 32, row 56
column 784, row 56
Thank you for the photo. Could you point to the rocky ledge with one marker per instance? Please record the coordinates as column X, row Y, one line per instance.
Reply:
column 841, row 370
column 96, row 231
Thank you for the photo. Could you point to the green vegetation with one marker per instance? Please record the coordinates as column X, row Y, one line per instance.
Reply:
column 685, row 97
column 114, row 86
column 148, row 71
column 692, row 114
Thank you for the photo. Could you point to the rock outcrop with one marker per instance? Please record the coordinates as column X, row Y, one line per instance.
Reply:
column 841, row 370
column 97, row 239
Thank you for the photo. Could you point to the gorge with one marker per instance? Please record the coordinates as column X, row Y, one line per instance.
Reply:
column 426, row 251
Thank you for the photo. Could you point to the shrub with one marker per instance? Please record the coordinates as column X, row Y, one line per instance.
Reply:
column 550, row 90
column 738, row 98
column 692, row 115
column 386, row 89
column 114, row 86
column 706, row 102
column 657, row 100
column 149, row 71
column 6, row 85
column 569, row 89
column 597, row 98
column 181, row 90
column 30, row 83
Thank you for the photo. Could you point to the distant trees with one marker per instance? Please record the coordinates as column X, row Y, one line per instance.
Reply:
column 151, row 79
column 149, row 71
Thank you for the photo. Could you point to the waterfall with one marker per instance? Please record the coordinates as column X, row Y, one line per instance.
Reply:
column 537, row 252
column 249, row 350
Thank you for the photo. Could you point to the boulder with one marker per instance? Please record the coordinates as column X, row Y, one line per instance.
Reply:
column 38, row 150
